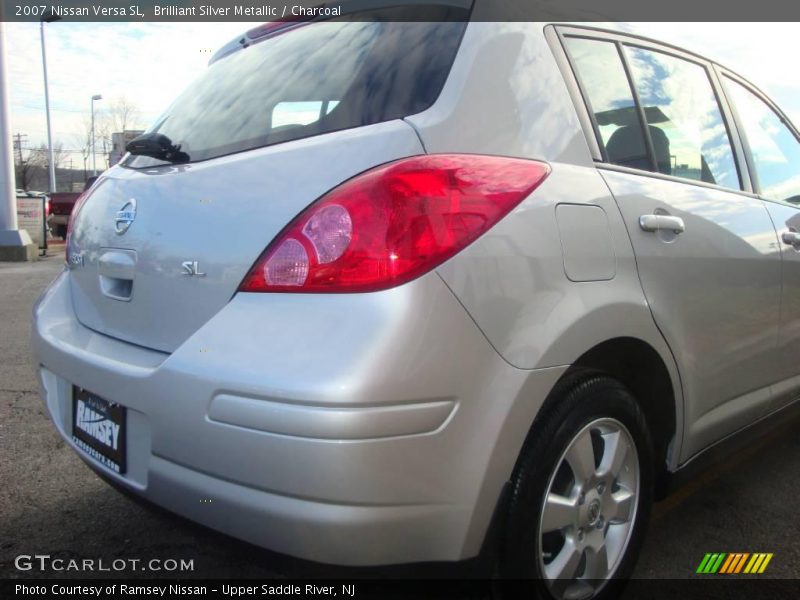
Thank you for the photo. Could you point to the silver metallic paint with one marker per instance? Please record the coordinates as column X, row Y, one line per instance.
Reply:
column 396, row 417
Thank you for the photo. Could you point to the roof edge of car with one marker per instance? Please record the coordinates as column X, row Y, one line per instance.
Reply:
column 348, row 7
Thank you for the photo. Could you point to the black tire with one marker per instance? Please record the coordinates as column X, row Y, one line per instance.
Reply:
column 580, row 399
column 61, row 231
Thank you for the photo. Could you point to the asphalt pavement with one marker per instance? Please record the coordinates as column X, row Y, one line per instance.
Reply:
column 51, row 503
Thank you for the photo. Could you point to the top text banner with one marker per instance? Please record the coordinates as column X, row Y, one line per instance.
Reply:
column 481, row 10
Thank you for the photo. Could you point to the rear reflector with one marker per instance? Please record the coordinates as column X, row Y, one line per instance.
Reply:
column 393, row 223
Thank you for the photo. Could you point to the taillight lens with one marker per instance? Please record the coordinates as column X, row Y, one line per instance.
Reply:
column 393, row 223
column 79, row 202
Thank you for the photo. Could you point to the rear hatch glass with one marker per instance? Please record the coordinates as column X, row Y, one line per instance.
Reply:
column 313, row 78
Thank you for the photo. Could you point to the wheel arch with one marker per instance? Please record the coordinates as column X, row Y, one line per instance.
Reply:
column 640, row 368
column 643, row 364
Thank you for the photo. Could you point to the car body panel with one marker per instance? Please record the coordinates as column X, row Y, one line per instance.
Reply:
column 512, row 280
column 715, row 294
column 786, row 385
column 189, row 213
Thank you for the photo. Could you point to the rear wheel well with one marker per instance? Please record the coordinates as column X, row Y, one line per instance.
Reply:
column 639, row 367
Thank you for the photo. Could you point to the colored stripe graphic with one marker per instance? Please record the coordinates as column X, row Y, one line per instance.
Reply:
column 765, row 563
column 755, row 562
column 727, row 563
column 703, row 563
column 730, row 564
column 718, row 563
column 711, row 562
column 740, row 564
column 734, row 562
column 758, row 563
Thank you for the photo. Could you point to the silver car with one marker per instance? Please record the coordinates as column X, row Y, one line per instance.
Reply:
column 374, row 291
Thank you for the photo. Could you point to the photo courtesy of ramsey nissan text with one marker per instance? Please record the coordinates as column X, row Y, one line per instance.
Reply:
column 400, row 299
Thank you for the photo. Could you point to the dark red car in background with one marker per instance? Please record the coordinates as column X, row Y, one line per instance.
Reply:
column 61, row 205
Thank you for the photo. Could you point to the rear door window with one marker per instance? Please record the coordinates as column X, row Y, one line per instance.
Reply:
column 773, row 146
column 684, row 122
column 689, row 136
column 604, row 81
column 311, row 79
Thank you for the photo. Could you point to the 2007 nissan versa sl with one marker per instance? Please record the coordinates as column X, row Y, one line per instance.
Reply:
column 382, row 288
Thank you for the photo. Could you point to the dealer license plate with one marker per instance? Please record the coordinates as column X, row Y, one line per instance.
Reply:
column 98, row 428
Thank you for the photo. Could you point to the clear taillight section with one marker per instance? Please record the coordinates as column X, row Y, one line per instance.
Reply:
column 393, row 223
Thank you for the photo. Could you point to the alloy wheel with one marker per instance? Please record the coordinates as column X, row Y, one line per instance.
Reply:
column 589, row 510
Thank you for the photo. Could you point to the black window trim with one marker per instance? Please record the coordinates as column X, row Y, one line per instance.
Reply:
column 637, row 102
column 734, row 132
column 624, row 39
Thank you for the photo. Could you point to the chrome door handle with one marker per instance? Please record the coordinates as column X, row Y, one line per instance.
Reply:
column 792, row 238
column 662, row 223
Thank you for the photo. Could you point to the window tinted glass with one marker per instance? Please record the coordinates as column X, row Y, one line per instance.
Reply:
column 312, row 79
column 689, row 135
column 604, row 81
column 775, row 150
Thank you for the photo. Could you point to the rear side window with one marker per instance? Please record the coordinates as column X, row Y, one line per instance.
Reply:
column 684, row 125
column 773, row 146
column 604, row 81
column 684, row 119
column 312, row 79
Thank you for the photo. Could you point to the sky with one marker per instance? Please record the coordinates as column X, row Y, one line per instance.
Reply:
column 147, row 63
column 150, row 63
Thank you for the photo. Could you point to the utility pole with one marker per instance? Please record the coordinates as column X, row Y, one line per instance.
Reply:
column 20, row 181
column 18, row 144
column 94, row 141
column 48, row 17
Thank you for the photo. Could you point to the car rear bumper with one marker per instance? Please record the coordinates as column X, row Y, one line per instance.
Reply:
column 353, row 429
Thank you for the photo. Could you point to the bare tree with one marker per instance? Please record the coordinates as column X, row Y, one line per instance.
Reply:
column 122, row 114
column 24, row 173
column 39, row 157
column 82, row 140
column 34, row 167
column 119, row 115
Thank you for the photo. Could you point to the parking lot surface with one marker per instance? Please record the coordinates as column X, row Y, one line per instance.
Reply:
column 50, row 503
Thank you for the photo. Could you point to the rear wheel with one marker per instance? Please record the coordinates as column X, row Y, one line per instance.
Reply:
column 581, row 493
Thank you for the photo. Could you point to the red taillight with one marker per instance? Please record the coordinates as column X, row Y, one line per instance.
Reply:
column 393, row 223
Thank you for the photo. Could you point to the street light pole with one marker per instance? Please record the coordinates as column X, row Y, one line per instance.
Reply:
column 94, row 158
column 47, row 105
